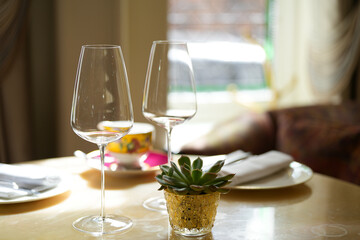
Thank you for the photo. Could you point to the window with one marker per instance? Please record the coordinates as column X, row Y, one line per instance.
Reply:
column 226, row 42
column 226, row 39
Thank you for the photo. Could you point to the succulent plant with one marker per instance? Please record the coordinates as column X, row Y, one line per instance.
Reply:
column 190, row 179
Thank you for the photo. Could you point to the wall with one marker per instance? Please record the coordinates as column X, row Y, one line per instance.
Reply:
column 133, row 24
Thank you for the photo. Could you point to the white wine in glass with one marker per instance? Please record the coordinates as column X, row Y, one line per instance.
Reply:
column 101, row 98
column 169, row 93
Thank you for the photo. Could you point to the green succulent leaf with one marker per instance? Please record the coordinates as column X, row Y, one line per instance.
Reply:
column 187, row 166
column 160, row 179
column 213, row 188
column 197, row 188
column 186, row 173
column 173, row 181
column 196, row 175
column 224, row 178
column 197, row 164
column 227, row 177
column 184, row 160
column 178, row 172
column 221, row 183
column 171, row 172
column 179, row 178
column 162, row 187
column 217, row 166
column 180, row 191
column 209, row 176
column 165, row 169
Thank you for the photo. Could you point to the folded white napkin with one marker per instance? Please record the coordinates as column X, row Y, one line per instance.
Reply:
column 17, row 181
column 256, row 167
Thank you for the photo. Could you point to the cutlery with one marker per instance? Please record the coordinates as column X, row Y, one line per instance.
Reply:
column 11, row 190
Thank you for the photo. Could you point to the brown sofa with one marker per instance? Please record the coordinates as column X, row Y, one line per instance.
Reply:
column 324, row 137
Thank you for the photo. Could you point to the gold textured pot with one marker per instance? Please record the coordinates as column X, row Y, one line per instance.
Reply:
column 192, row 215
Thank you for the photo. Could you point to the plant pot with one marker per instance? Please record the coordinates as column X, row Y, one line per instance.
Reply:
column 192, row 215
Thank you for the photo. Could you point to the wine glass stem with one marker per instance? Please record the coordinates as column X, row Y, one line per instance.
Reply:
column 168, row 141
column 102, row 156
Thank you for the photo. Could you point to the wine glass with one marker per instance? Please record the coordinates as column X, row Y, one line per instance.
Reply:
column 101, row 101
column 169, row 95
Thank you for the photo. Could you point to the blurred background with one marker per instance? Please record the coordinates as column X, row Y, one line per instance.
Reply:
column 248, row 56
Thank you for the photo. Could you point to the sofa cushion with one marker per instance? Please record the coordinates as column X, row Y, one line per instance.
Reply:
column 324, row 137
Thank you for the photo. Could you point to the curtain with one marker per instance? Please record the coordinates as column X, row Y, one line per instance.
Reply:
column 334, row 49
column 290, row 84
column 13, row 98
column 11, row 18
column 317, row 48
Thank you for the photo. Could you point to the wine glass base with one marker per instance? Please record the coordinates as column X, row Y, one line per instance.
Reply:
column 96, row 225
column 157, row 204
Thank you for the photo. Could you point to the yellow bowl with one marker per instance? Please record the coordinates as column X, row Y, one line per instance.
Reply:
column 135, row 145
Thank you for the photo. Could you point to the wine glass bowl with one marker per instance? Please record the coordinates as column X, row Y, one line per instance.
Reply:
column 101, row 98
column 169, row 94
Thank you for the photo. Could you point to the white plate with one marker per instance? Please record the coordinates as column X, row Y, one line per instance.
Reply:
column 61, row 188
column 113, row 168
column 295, row 174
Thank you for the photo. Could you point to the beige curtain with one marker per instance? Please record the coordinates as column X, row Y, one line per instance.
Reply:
column 14, row 117
column 335, row 46
column 290, row 81
column 317, row 48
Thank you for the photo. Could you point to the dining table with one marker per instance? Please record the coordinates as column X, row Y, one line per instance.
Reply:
column 320, row 208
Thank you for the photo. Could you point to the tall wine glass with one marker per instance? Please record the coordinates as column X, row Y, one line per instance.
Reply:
column 169, row 94
column 101, row 98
